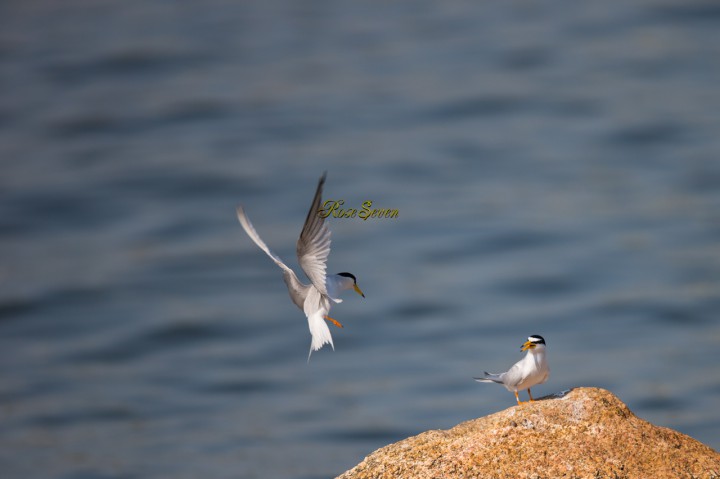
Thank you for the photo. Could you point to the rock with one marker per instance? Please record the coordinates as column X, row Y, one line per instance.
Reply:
column 582, row 433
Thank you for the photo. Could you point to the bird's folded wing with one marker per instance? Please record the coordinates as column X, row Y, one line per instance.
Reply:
column 514, row 375
column 313, row 246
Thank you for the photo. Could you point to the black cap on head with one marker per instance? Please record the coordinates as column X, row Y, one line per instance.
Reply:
column 537, row 339
column 349, row 275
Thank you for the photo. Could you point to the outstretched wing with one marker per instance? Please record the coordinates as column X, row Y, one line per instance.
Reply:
column 298, row 291
column 313, row 246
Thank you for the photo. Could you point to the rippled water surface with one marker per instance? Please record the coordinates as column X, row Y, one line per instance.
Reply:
column 556, row 169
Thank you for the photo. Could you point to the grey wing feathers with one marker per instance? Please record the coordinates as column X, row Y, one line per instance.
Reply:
column 514, row 375
column 250, row 230
column 313, row 246
column 297, row 290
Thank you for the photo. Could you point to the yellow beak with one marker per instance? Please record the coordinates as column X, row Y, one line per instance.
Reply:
column 527, row 345
column 358, row 291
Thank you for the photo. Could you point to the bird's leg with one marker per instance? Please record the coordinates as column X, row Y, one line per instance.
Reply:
column 517, row 398
column 336, row 323
column 531, row 398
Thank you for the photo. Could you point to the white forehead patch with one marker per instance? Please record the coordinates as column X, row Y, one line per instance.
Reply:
column 533, row 339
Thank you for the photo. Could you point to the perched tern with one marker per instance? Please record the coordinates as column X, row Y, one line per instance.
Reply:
column 529, row 371
column 312, row 249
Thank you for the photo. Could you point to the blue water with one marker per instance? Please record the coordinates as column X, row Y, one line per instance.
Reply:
column 556, row 170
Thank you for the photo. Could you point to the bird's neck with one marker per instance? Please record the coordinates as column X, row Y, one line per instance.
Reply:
column 336, row 283
column 341, row 282
column 535, row 356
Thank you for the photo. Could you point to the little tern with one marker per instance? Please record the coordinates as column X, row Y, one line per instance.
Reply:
column 528, row 372
column 313, row 248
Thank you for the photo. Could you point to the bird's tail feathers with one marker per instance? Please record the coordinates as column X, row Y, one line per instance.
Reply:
column 489, row 378
column 320, row 333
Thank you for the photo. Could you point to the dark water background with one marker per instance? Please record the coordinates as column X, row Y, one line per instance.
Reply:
column 556, row 170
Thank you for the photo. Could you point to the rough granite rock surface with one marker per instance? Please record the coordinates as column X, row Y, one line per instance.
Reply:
column 583, row 433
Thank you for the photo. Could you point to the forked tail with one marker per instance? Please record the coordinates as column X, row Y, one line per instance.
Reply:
column 320, row 333
column 489, row 378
